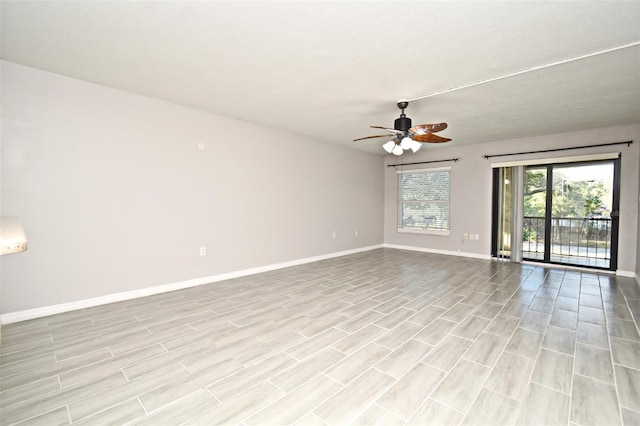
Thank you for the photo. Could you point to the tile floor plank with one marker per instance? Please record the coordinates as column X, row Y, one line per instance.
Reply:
column 630, row 418
column 433, row 412
column 399, row 335
column 593, row 402
column 437, row 330
column 626, row 352
column 404, row 397
column 592, row 334
column 628, row 385
column 560, row 340
column 123, row 413
column 186, row 384
column 594, row 363
column 28, row 391
column 510, row 376
column 491, row 408
column 553, row 370
column 351, row 401
column 246, row 378
column 487, row 349
column 401, row 360
column 298, row 403
column 239, row 408
column 317, row 343
column 447, row 353
column 503, row 325
column 544, row 406
column 53, row 400
column 304, row 371
column 525, row 343
column 181, row 410
column 87, row 406
column 375, row 416
column 461, row 386
column 56, row 417
column 358, row 362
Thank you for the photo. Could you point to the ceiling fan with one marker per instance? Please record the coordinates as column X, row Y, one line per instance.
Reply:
column 406, row 137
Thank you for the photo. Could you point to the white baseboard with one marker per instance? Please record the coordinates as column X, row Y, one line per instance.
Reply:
column 28, row 314
column 619, row 272
column 437, row 251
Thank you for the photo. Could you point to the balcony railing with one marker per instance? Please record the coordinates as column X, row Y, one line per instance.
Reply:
column 583, row 237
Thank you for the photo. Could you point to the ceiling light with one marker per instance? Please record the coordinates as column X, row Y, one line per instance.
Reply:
column 397, row 150
column 389, row 146
column 415, row 145
column 406, row 143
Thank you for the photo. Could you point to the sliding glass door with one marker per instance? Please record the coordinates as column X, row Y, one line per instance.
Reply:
column 570, row 214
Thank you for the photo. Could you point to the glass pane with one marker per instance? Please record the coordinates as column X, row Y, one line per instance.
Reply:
column 535, row 204
column 581, row 214
column 424, row 200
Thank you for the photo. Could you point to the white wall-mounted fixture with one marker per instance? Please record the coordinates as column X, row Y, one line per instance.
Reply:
column 12, row 236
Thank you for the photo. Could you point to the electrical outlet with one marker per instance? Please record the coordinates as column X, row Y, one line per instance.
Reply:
column 477, row 237
column 355, row 233
column 201, row 146
column 333, row 235
column 203, row 251
column 465, row 236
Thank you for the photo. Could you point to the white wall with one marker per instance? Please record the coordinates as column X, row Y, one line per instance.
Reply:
column 471, row 188
column 115, row 196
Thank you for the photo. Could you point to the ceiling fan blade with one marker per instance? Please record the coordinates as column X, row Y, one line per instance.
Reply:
column 371, row 137
column 387, row 129
column 421, row 129
column 429, row 138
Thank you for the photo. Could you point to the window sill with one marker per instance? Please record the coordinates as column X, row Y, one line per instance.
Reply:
column 424, row 232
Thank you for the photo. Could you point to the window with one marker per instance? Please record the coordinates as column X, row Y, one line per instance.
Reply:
column 423, row 201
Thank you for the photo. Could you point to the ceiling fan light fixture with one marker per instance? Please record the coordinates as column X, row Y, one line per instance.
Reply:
column 415, row 146
column 389, row 146
column 397, row 150
column 406, row 143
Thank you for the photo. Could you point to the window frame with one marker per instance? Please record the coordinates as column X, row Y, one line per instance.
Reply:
column 437, row 232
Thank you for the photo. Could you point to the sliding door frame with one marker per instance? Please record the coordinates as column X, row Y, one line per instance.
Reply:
column 495, row 210
column 615, row 212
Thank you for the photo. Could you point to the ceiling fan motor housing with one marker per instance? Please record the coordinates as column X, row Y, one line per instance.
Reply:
column 403, row 123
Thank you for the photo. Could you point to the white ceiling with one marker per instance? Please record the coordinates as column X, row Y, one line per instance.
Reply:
column 328, row 70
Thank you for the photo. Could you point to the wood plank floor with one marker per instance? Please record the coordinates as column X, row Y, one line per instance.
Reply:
column 382, row 337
